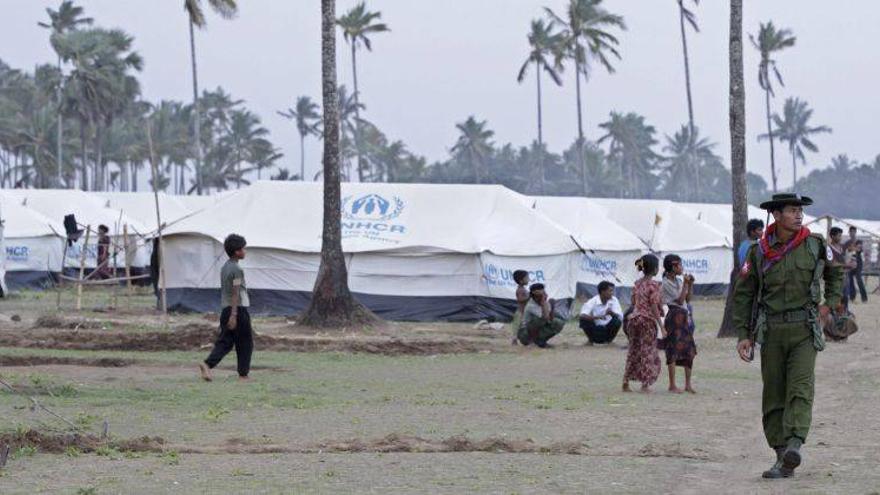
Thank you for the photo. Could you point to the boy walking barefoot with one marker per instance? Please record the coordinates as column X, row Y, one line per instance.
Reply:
column 235, row 321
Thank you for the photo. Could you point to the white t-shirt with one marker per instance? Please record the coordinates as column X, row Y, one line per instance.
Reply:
column 595, row 308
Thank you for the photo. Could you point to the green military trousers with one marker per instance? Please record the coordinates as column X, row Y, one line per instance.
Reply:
column 540, row 330
column 788, row 366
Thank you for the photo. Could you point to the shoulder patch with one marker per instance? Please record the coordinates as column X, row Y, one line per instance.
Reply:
column 746, row 269
column 829, row 255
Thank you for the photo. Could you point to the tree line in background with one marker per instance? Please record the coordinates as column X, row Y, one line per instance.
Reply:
column 81, row 122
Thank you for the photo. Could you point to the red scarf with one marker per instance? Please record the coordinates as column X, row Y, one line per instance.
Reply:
column 771, row 255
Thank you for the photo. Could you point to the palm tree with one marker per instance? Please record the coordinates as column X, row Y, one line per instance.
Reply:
column 631, row 143
column 544, row 43
column 332, row 304
column 687, row 155
column 244, row 137
column 794, row 128
column 305, row 114
column 770, row 40
column 68, row 17
column 196, row 14
column 587, row 39
column 685, row 14
column 473, row 146
column 357, row 24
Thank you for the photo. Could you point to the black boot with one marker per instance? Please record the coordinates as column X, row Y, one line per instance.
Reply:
column 792, row 456
column 775, row 472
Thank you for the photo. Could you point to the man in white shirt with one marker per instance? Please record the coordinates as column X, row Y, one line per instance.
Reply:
column 601, row 316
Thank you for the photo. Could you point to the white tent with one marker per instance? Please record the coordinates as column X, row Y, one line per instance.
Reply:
column 610, row 250
column 414, row 251
column 667, row 228
column 33, row 247
column 89, row 210
column 720, row 216
column 3, row 259
column 142, row 207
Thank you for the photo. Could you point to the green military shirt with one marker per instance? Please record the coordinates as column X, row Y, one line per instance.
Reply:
column 786, row 285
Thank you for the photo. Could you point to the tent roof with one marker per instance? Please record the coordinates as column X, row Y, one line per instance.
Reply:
column 142, row 206
column 662, row 225
column 588, row 222
column 20, row 221
column 720, row 215
column 384, row 217
column 89, row 210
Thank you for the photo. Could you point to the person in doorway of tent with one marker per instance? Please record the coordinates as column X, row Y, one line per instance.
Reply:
column 540, row 322
column 521, row 277
column 679, row 343
column 855, row 274
column 839, row 259
column 754, row 231
column 642, row 358
column 601, row 316
column 235, row 321
column 103, row 252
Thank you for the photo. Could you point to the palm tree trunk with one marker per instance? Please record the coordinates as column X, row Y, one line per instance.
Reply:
column 540, row 130
column 59, row 154
column 197, row 128
column 357, row 115
column 770, row 136
column 302, row 157
column 793, row 170
column 580, row 140
column 332, row 304
column 737, row 115
column 134, row 178
column 84, row 158
column 687, row 68
column 99, row 174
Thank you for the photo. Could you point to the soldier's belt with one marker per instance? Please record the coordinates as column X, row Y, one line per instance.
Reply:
column 794, row 316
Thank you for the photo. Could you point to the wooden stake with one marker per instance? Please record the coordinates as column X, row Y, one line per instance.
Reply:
column 60, row 286
column 127, row 265
column 4, row 455
column 162, row 292
column 82, row 268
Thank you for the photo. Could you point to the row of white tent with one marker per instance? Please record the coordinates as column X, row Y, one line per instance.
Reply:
column 413, row 251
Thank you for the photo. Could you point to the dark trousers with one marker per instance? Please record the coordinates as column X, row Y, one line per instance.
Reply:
column 855, row 277
column 601, row 334
column 242, row 338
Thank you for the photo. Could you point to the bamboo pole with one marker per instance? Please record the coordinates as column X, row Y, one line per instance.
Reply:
column 60, row 286
column 82, row 268
column 153, row 171
column 127, row 266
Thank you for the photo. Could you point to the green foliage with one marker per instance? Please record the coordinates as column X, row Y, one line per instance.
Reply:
column 216, row 413
column 171, row 458
column 87, row 491
column 24, row 451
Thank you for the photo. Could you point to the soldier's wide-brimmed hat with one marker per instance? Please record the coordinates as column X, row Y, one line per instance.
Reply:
column 786, row 199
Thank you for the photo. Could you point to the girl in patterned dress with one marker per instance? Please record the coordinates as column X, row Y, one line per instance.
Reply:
column 677, row 289
column 642, row 358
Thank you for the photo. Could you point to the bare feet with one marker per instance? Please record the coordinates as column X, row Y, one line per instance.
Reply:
column 205, row 372
column 626, row 387
column 675, row 390
column 244, row 378
column 514, row 341
column 645, row 390
column 690, row 390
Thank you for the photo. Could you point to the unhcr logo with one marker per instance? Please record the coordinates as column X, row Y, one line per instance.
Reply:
column 369, row 217
column 598, row 266
column 371, row 207
column 17, row 253
column 497, row 276
column 695, row 265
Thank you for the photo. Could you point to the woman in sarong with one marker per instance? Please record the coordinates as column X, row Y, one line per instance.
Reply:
column 642, row 359
column 679, row 344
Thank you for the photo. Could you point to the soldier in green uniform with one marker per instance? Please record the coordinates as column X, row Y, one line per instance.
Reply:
column 778, row 303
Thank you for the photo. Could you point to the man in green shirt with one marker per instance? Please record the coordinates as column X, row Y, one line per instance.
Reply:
column 235, row 321
column 778, row 303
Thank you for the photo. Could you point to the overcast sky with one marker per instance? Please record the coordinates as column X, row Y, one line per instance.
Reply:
column 447, row 59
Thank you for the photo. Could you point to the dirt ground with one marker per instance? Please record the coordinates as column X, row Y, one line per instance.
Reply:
column 407, row 408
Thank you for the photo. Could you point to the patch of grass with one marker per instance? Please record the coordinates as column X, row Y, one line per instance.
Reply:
column 72, row 451
column 171, row 458
column 237, row 472
column 87, row 491
column 24, row 451
column 108, row 452
column 85, row 420
column 216, row 413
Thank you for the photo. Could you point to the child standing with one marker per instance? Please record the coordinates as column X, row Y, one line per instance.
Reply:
column 235, row 321
column 521, row 277
column 642, row 359
column 679, row 344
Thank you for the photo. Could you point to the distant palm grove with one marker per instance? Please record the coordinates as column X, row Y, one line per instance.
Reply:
column 79, row 121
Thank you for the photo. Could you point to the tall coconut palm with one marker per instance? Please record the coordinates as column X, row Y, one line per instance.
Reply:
column 305, row 114
column 196, row 15
column 687, row 154
column 587, row 40
column 473, row 146
column 332, row 304
column 685, row 15
column 770, row 41
column 630, row 148
column 67, row 18
column 245, row 133
column 544, row 43
column 793, row 127
column 357, row 24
